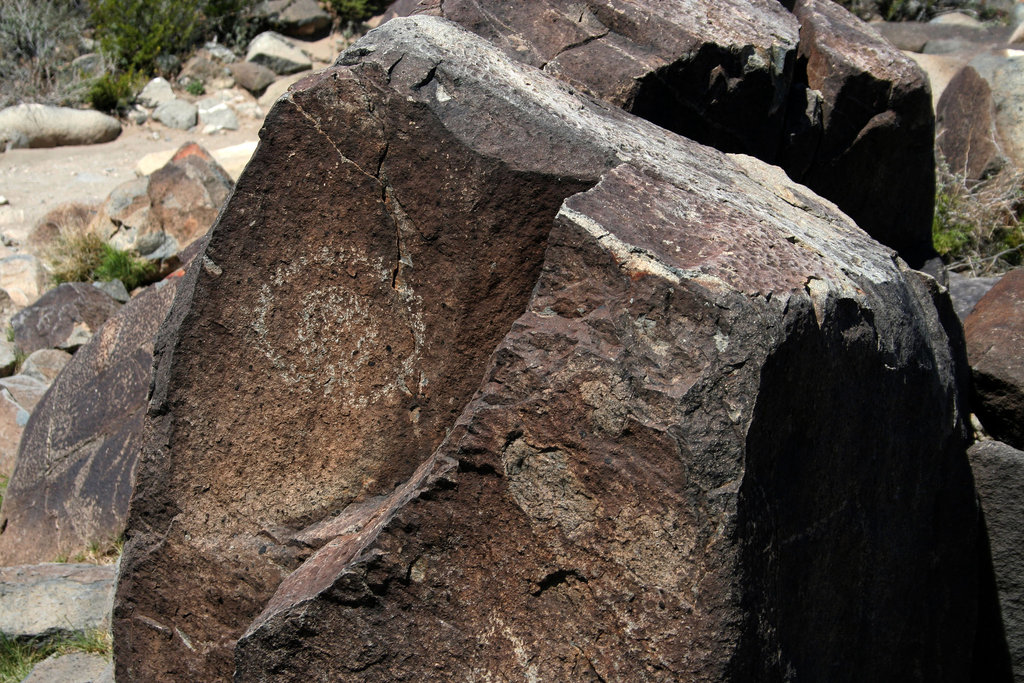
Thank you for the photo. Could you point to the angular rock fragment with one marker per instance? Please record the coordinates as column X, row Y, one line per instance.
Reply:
column 74, row 469
column 965, row 127
column 995, row 344
column 520, row 385
column 63, row 318
column 814, row 91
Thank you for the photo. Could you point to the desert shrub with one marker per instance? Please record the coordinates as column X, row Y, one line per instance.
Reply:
column 37, row 39
column 112, row 92
column 135, row 32
column 17, row 657
column 76, row 253
column 357, row 10
column 979, row 228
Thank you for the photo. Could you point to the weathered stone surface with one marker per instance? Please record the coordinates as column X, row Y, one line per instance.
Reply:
column 827, row 99
column 47, row 599
column 77, row 457
column 203, row 67
column 875, row 103
column 999, row 476
column 185, row 196
column 965, row 127
column 63, row 318
column 177, row 113
column 45, row 364
column 575, row 393
column 298, row 18
column 158, row 91
column 215, row 115
column 26, row 391
column 995, row 345
column 23, row 277
column 1002, row 70
column 253, row 77
column 914, row 35
column 966, row 291
column 75, row 667
column 13, row 419
column 8, row 358
column 277, row 53
column 40, row 125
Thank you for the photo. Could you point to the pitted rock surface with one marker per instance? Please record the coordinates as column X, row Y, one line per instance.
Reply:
column 73, row 473
column 528, row 387
column 63, row 318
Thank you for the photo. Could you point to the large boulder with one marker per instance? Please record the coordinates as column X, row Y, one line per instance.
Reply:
column 40, row 125
column 63, row 318
column 965, row 130
column 520, row 385
column 49, row 599
column 73, row 474
column 995, row 345
column 814, row 91
column 999, row 475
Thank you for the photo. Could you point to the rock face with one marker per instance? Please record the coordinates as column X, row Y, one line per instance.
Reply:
column 277, row 53
column 39, row 125
column 814, row 91
column 43, row 600
column 999, row 475
column 995, row 344
column 77, row 456
column 63, row 318
column 532, row 388
column 965, row 127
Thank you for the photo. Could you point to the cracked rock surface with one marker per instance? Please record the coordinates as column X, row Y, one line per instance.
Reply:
column 519, row 385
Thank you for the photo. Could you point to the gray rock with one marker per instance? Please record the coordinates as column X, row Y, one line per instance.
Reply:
column 13, row 419
column 999, row 476
column 48, row 599
column 1005, row 77
column 298, row 18
column 63, row 318
column 253, row 77
column 277, row 53
column 115, row 289
column 966, row 292
column 26, row 391
column 206, row 69
column 75, row 667
column 220, row 53
column 8, row 358
column 38, row 125
column 45, row 364
column 215, row 115
column 158, row 91
column 177, row 113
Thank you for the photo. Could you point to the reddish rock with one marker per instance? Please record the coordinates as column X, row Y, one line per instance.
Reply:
column 965, row 127
column 520, row 385
column 63, row 318
column 185, row 196
column 77, row 456
column 827, row 99
column 995, row 345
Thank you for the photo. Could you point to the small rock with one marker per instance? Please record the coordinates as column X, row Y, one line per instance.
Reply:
column 965, row 126
column 48, row 599
column 75, row 667
column 966, row 292
column 23, row 277
column 220, row 53
column 177, row 114
column 8, row 358
column 115, row 289
column 63, row 318
column 299, row 18
column 24, row 390
column 995, row 347
column 138, row 116
column 158, row 91
column 252, row 76
column 204, row 68
column 45, row 364
column 216, row 115
column 3, row 200
column 277, row 53
column 278, row 88
column 957, row 19
column 39, row 125
column 13, row 419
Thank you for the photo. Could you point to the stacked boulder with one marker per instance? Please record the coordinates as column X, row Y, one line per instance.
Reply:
column 519, row 384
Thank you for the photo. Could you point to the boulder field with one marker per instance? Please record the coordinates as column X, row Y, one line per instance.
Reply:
column 479, row 377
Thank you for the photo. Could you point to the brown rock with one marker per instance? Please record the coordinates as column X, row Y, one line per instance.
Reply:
column 965, row 127
column 203, row 67
column 469, row 422
column 78, row 454
column 252, row 76
column 999, row 475
column 875, row 105
column 185, row 196
column 995, row 344
column 13, row 419
column 45, row 364
column 828, row 100
column 63, row 318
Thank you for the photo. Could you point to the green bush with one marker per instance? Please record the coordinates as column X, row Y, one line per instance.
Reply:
column 195, row 88
column 135, row 32
column 80, row 255
column 357, row 10
column 112, row 93
column 122, row 265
